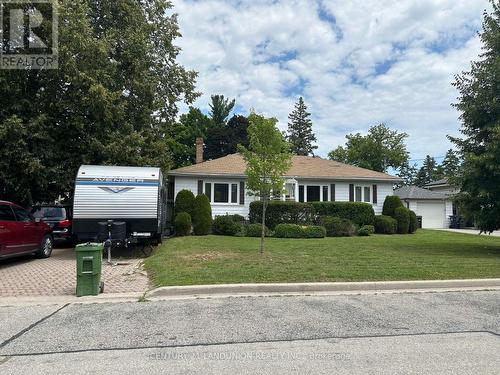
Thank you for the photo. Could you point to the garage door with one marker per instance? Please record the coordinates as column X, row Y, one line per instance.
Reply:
column 433, row 214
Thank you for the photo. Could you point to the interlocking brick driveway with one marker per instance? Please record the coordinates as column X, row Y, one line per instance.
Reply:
column 55, row 276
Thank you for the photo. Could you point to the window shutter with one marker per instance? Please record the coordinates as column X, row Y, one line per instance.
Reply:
column 374, row 194
column 242, row 192
column 200, row 187
column 332, row 192
column 351, row 192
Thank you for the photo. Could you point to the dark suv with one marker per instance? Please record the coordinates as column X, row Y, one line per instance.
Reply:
column 59, row 218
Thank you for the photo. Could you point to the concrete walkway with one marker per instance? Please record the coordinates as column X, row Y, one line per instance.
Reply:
column 471, row 231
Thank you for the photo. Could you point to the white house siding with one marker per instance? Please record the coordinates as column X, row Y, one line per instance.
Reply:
column 341, row 192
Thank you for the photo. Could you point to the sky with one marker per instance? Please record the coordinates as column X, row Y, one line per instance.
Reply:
column 356, row 63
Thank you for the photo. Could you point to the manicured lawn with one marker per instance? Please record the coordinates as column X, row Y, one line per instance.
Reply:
column 425, row 255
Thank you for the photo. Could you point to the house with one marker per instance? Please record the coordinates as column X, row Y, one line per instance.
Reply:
column 442, row 186
column 434, row 207
column 309, row 179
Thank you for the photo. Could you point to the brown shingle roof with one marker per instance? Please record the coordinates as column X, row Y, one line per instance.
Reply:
column 302, row 167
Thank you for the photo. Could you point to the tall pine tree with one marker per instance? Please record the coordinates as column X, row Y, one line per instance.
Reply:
column 300, row 134
column 451, row 164
column 429, row 172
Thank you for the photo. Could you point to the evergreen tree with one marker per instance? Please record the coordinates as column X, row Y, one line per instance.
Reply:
column 220, row 108
column 451, row 164
column 429, row 172
column 408, row 173
column 479, row 88
column 300, row 134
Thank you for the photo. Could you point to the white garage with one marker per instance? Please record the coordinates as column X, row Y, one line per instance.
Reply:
column 435, row 208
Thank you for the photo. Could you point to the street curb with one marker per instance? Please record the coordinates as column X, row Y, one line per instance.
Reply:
column 71, row 299
column 334, row 288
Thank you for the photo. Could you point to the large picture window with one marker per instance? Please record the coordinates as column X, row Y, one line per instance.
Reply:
column 221, row 193
column 313, row 194
column 362, row 194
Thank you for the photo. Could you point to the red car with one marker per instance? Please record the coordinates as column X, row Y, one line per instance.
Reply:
column 20, row 233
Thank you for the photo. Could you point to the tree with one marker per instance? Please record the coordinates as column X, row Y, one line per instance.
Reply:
column 268, row 159
column 110, row 101
column 479, row 90
column 202, row 215
column 220, row 108
column 224, row 140
column 429, row 172
column 300, row 134
column 408, row 173
column 380, row 149
column 451, row 164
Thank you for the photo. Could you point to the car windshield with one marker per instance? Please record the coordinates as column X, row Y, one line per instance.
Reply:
column 49, row 212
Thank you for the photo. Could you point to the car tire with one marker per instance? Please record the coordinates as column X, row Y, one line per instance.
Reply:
column 46, row 247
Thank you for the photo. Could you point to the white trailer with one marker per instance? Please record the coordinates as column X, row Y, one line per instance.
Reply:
column 134, row 195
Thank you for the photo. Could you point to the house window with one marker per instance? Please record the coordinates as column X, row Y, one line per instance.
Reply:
column 362, row 194
column 290, row 192
column 366, row 194
column 208, row 191
column 313, row 193
column 234, row 193
column 325, row 193
column 221, row 193
column 301, row 193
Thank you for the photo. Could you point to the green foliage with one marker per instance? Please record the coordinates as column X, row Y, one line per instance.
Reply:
column 300, row 134
column 298, row 231
column 366, row 230
column 430, row 171
column 278, row 212
column 479, row 89
column 226, row 226
column 338, row 227
column 237, row 218
column 182, row 224
column 255, row 230
column 359, row 213
column 202, row 216
column 184, row 202
column 391, row 202
column 408, row 173
column 220, row 108
column 224, row 140
column 451, row 164
column 402, row 216
column 385, row 224
column 413, row 222
column 114, row 94
column 379, row 150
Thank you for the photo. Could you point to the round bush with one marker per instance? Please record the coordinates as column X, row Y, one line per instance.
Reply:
column 237, row 218
column 402, row 216
column 297, row 231
column 390, row 204
column 182, row 224
column 413, row 222
column 202, row 216
column 337, row 227
column 226, row 226
column 385, row 224
column 184, row 202
column 313, row 231
column 255, row 230
column 366, row 230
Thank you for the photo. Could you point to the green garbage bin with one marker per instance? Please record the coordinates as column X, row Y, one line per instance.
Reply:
column 88, row 269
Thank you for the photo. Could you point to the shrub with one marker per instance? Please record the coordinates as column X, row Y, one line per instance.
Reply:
column 298, row 231
column 337, row 227
column 385, row 224
column 413, row 222
column 366, row 230
column 255, row 230
column 202, row 216
column 390, row 204
column 402, row 216
column 359, row 213
column 237, row 218
column 279, row 212
column 184, row 202
column 182, row 224
column 226, row 226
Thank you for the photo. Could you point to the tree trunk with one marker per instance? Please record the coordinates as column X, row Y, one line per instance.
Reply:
column 263, row 234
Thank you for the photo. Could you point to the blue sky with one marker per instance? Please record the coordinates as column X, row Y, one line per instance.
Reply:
column 356, row 63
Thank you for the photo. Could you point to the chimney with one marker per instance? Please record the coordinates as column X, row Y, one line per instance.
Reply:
column 199, row 150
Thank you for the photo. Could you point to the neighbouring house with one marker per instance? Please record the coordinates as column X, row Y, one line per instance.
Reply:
column 309, row 179
column 442, row 186
column 434, row 207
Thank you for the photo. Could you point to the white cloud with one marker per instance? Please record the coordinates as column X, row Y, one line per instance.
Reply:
column 357, row 63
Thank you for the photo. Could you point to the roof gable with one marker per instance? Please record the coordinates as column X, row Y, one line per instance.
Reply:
column 415, row 192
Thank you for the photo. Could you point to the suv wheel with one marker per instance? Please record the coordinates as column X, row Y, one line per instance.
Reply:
column 45, row 247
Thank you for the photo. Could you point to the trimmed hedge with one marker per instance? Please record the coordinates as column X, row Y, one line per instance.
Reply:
column 184, row 202
column 298, row 231
column 278, row 212
column 391, row 202
column 182, row 224
column 366, row 230
column 359, row 213
column 226, row 226
column 202, row 216
column 413, row 222
column 337, row 227
column 255, row 230
column 402, row 216
column 385, row 224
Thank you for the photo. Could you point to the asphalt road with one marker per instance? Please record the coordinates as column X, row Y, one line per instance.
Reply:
column 445, row 333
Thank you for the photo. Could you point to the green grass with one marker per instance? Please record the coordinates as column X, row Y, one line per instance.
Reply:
column 425, row 255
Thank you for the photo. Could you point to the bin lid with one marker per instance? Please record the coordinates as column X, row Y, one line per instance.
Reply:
column 89, row 246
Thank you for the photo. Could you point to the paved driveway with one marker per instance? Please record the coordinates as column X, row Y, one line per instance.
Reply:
column 55, row 276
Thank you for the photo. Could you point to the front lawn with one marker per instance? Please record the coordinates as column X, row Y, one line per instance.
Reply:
column 425, row 255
